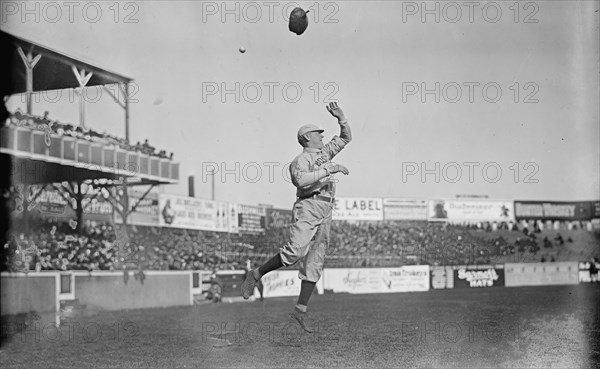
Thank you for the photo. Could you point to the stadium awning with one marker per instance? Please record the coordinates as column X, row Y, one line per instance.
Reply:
column 53, row 71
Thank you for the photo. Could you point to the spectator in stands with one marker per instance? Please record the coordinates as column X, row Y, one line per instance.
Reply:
column 560, row 239
column 547, row 243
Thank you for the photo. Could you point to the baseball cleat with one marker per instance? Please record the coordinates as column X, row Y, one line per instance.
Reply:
column 299, row 316
column 248, row 285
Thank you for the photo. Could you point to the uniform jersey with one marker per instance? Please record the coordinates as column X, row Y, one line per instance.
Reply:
column 312, row 159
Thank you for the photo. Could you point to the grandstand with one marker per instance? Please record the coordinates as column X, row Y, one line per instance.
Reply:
column 51, row 152
column 80, row 166
column 55, row 245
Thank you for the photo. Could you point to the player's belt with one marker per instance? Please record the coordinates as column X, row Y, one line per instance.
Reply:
column 316, row 196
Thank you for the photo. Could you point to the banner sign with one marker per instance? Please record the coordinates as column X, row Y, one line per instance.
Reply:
column 539, row 210
column 146, row 211
column 251, row 219
column 470, row 211
column 283, row 283
column 278, row 218
column 588, row 271
column 192, row 213
column 595, row 209
column 378, row 280
column 442, row 277
column 49, row 203
column 399, row 209
column 358, row 208
column 478, row 276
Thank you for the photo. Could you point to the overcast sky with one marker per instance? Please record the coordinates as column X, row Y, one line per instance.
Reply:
column 517, row 84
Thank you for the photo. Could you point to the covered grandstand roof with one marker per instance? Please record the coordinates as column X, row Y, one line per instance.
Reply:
column 53, row 71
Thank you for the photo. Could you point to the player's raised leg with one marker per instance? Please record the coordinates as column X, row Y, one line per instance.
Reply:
column 301, row 232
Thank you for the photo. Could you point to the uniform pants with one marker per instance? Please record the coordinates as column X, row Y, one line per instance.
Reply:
column 309, row 238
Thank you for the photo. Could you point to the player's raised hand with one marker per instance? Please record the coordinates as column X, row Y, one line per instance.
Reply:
column 336, row 111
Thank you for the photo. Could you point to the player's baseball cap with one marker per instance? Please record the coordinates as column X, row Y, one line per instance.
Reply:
column 308, row 128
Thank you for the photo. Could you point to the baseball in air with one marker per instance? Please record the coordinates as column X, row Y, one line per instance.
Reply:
column 242, row 50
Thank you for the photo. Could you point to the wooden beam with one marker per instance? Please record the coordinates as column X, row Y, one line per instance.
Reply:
column 111, row 94
column 30, row 62
column 82, row 79
column 141, row 198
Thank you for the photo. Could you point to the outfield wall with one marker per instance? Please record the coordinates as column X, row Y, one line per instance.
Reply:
column 109, row 291
column 542, row 274
column 104, row 290
column 29, row 292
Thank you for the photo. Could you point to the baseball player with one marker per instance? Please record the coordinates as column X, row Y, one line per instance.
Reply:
column 312, row 173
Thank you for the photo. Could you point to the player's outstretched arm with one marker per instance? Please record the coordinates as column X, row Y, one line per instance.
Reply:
column 336, row 111
column 302, row 177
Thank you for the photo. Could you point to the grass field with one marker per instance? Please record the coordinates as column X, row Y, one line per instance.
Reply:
column 527, row 327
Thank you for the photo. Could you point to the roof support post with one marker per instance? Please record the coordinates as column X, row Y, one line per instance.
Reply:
column 30, row 61
column 82, row 79
column 126, row 111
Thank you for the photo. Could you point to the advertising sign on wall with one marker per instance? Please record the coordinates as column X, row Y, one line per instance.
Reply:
column 251, row 219
column 545, row 210
column 378, row 280
column 478, row 276
column 192, row 213
column 588, row 271
column 442, row 277
column 283, row 283
column 358, row 208
column 146, row 211
column 400, row 209
column 470, row 211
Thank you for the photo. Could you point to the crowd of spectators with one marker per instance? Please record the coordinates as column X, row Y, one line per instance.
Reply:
column 51, row 245
column 49, row 126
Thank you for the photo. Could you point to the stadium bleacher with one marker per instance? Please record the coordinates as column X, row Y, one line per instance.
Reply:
column 54, row 245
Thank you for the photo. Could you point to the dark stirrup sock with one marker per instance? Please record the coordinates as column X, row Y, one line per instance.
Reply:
column 306, row 290
column 273, row 264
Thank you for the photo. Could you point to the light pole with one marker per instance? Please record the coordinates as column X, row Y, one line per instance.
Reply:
column 212, row 187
